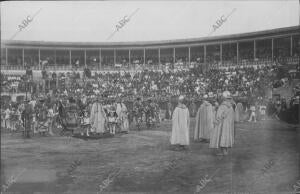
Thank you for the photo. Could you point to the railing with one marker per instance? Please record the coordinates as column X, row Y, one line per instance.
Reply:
column 156, row 67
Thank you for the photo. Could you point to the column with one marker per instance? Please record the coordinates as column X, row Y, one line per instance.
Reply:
column 174, row 55
column 144, row 56
column 221, row 53
column 39, row 59
column 85, row 58
column 23, row 61
column 237, row 53
column 129, row 57
column 254, row 56
column 291, row 51
column 100, row 61
column 204, row 53
column 54, row 57
column 159, row 56
column 205, row 57
column 189, row 56
column 272, row 49
column 6, row 60
column 115, row 60
column 70, row 57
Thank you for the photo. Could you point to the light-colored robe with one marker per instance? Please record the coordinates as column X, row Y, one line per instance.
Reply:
column 223, row 132
column 97, row 118
column 122, row 116
column 204, row 121
column 239, row 112
column 180, row 126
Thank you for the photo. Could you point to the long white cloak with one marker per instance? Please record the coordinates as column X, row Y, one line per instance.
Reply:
column 223, row 132
column 180, row 126
column 204, row 121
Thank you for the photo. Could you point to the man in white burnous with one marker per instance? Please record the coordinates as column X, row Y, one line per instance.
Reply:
column 222, row 135
column 180, row 138
column 204, row 121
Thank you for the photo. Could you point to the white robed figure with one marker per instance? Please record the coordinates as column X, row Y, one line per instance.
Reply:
column 97, row 118
column 180, row 124
column 121, row 111
column 222, row 135
column 204, row 121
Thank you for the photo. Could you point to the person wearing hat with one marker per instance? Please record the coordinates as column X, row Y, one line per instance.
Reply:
column 97, row 117
column 222, row 135
column 180, row 125
column 204, row 121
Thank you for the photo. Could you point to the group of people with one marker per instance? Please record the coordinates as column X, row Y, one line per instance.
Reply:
column 108, row 118
column 214, row 123
column 147, row 83
column 43, row 115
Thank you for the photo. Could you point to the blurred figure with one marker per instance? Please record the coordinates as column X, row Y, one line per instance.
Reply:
column 112, row 120
column 122, row 116
column 239, row 112
column 204, row 121
column 7, row 113
column 193, row 108
column 27, row 117
column 50, row 121
column 252, row 114
column 215, row 109
column 180, row 125
column 169, row 111
column 13, row 119
column 97, row 117
column 222, row 135
column 138, row 110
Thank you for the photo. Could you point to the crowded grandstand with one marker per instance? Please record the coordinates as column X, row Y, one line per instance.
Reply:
column 252, row 73
column 129, row 107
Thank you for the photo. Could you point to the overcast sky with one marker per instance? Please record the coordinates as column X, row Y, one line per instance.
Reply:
column 81, row 21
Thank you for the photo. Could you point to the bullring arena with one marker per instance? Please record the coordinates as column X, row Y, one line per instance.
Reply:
column 99, row 117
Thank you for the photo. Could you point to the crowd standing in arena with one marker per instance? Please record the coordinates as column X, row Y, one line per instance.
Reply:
column 111, row 101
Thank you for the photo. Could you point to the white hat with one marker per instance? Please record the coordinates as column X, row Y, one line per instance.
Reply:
column 181, row 98
column 226, row 94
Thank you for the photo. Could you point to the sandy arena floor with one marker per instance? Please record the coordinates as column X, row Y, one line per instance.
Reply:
column 142, row 162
